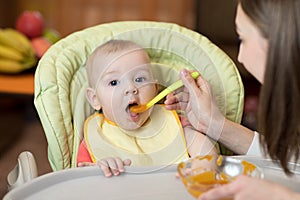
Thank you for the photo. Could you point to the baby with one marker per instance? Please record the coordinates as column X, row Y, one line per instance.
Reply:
column 120, row 76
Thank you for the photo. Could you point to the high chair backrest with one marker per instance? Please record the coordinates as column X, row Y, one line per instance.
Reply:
column 61, row 80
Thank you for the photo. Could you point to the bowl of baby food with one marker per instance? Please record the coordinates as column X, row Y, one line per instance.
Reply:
column 202, row 173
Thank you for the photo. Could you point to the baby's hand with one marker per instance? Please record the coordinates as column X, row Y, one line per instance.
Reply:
column 113, row 166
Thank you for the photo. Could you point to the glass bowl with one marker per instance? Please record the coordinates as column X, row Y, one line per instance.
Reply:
column 201, row 173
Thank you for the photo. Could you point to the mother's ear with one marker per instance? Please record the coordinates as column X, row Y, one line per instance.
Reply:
column 92, row 98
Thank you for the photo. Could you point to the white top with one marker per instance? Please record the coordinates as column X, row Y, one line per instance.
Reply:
column 255, row 149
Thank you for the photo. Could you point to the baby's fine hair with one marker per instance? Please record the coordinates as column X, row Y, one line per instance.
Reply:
column 113, row 46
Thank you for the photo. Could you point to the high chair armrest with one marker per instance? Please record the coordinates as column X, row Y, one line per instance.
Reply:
column 24, row 171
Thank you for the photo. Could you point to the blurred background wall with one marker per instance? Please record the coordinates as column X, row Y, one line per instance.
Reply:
column 68, row 16
column 212, row 18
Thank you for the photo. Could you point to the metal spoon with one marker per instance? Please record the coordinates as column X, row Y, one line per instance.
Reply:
column 232, row 167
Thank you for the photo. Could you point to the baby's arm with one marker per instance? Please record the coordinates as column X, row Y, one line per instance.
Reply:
column 198, row 143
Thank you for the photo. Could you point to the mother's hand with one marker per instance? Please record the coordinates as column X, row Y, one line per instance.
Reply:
column 247, row 188
column 197, row 101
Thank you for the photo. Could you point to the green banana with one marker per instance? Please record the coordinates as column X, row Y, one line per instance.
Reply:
column 10, row 53
column 10, row 66
column 29, row 62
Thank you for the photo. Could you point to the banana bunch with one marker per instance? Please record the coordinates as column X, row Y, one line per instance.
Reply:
column 16, row 52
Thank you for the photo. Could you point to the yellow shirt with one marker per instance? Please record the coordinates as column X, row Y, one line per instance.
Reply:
column 160, row 141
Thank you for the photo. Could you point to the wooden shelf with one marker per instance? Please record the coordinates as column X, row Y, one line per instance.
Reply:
column 17, row 84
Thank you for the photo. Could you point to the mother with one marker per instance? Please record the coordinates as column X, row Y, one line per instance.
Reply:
column 269, row 31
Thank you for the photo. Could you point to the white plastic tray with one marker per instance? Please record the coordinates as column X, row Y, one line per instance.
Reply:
column 273, row 172
column 137, row 183
column 89, row 183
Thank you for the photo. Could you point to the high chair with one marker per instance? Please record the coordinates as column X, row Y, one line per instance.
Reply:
column 61, row 80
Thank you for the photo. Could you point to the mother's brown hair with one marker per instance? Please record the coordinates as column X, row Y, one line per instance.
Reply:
column 279, row 111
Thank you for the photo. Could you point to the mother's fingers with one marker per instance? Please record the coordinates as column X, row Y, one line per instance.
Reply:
column 183, row 96
column 188, row 80
column 222, row 192
column 227, row 191
column 171, row 99
column 203, row 85
column 177, row 101
column 176, row 106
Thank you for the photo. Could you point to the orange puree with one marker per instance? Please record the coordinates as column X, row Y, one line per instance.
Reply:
column 207, row 178
column 196, row 184
column 202, row 182
column 248, row 167
column 219, row 160
column 138, row 108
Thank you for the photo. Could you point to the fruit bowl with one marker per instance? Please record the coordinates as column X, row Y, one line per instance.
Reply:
column 202, row 173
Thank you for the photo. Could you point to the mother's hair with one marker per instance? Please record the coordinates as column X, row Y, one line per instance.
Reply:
column 279, row 116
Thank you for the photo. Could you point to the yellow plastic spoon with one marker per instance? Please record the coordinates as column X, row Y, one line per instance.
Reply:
column 162, row 94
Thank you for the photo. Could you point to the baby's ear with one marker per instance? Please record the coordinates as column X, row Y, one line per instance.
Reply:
column 92, row 98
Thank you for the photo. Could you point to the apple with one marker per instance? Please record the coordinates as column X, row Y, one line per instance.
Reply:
column 40, row 46
column 30, row 23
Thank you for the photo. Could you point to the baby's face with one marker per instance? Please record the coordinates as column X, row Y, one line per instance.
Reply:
column 126, row 81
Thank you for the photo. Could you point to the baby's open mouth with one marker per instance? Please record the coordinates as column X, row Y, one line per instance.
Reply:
column 133, row 116
column 130, row 105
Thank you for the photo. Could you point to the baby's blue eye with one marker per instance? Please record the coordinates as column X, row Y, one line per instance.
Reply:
column 113, row 83
column 140, row 79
